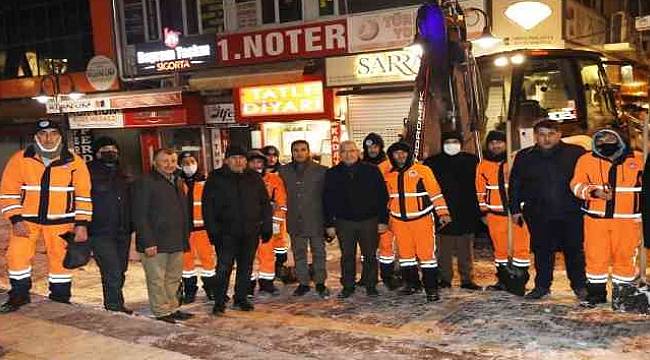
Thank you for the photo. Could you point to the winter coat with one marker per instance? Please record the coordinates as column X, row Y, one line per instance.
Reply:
column 160, row 214
column 111, row 200
column 305, row 215
column 456, row 176
column 236, row 205
column 540, row 179
column 355, row 193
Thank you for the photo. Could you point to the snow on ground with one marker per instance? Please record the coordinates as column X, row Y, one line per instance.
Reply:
column 464, row 325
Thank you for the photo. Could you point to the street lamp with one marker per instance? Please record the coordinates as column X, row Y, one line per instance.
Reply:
column 486, row 40
column 56, row 67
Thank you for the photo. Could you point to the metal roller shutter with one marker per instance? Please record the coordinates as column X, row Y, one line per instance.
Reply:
column 381, row 113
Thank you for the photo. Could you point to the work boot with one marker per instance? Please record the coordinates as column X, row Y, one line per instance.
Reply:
column 322, row 291
column 499, row 285
column 218, row 309
column 60, row 292
column 267, row 286
column 208, row 286
column 537, row 294
column 594, row 294
column 471, row 286
column 388, row 276
column 346, row 293
column 628, row 298
column 189, row 290
column 13, row 305
column 182, row 316
column 411, row 281
column 243, row 305
column 371, row 291
column 432, row 294
column 301, row 290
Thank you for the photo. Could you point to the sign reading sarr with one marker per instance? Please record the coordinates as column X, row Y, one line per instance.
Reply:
column 305, row 40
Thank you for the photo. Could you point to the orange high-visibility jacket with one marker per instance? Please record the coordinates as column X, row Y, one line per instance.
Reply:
column 384, row 167
column 277, row 194
column 624, row 179
column 54, row 194
column 414, row 193
column 488, row 189
column 194, row 194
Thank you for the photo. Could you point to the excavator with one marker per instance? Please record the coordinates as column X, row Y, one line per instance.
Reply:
column 508, row 91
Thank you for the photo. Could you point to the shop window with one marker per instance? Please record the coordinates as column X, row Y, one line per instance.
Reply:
column 280, row 11
column 211, row 16
column 31, row 31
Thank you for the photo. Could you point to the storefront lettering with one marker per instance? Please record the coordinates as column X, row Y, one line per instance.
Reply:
column 400, row 63
column 173, row 65
column 312, row 40
column 300, row 98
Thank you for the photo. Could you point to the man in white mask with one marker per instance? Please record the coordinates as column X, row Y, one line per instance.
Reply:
column 455, row 170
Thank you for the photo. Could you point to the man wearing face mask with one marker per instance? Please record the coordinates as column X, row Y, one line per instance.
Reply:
column 609, row 180
column 539, row 180
column 455, row 170
column 193, row 183
column 45, row 191
column 110, row 228
column 267, row 251
column 491, row 189
column 414, row 195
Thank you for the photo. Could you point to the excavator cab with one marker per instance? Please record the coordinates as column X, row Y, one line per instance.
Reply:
column 567, row 86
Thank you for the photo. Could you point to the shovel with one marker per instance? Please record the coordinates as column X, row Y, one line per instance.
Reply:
column 513, row 277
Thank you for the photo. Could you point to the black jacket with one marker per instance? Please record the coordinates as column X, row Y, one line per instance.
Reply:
column 236, row 205
column 645, row 203
column 355, row 193
column 160, row 214
column 456, row 176
column 111, row 201
column 540, row 179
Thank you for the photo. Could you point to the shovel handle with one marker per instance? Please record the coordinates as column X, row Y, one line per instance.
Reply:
column 509, row 163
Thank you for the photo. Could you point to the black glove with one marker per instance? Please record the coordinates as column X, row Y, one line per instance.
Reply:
column 266, row 236
column 280, row 259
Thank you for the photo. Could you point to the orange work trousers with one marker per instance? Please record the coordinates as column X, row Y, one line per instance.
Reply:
column 386, row 249
column 415, row 242
column 265, row 262
column 201, row 248
column 612, row 242
column 21, row 250
column 279, row 238
column 498, row 228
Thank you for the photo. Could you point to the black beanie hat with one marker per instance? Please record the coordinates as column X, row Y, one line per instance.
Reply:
column 101, row 142
column 45, row 123
column 185, row 154
column 270, row 150
column 495, row 135
column 255, row 154
column 373, row 139
column 234, row 150
column 447, row 135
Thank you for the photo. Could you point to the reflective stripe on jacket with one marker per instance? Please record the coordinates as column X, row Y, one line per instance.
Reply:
column 55, row 194
column 414, row 193
column 489, row 190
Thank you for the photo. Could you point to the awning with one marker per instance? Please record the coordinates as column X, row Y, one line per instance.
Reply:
column 250, row 75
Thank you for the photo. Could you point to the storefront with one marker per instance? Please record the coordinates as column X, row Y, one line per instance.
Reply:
column 374, row 91
column 140, row 122
column 283, row 113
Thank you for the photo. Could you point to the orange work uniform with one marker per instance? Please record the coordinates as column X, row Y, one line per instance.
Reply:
column 51, row 199
column 386, row 251
column 612, row 228
column 267, row 252
column 414, row 195
column 200, row 246
column 491, row 190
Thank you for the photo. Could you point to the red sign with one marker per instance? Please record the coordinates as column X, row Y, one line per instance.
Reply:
column 155, row 117
column 335, row 133
column 302, row 41
column 130, row 101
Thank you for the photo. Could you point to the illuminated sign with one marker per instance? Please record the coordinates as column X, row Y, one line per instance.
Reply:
column 375, row 68
column 285, row 99
column 174, row 54
column 564, row 114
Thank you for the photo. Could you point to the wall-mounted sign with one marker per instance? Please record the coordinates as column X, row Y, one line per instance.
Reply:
column 381, row 30
column 83, row 140
column 219, row 114
column 528, row 24
column 372, row 68
column 155, row 117
column 175, row 54
column 97, row 120
column 305, row 101
column 101, row 72
column 474, row 20
column 86, row 103
column 642, row 23
column 116, row 101
column 307, row 40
